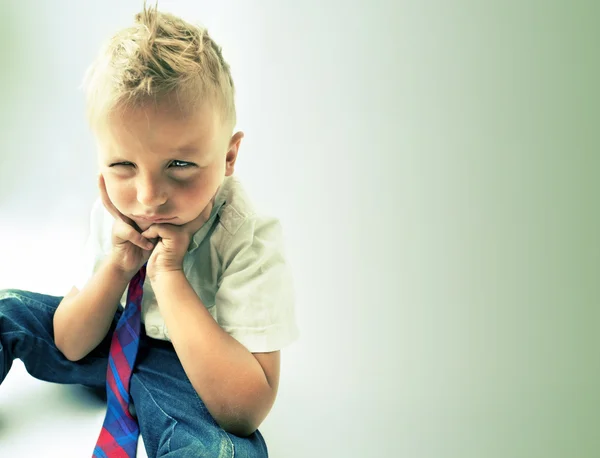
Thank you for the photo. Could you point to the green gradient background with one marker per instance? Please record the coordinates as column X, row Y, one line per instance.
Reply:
column 494, row 224
column 462, row 299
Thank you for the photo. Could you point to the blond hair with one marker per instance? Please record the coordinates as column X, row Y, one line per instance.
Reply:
column 160, row 56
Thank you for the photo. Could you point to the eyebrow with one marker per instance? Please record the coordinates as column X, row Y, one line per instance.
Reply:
column 183, row 152
column 190, row 149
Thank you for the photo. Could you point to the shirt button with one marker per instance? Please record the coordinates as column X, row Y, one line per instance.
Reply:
column 153, row 331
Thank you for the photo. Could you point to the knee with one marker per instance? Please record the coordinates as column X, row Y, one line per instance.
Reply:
column 13, row 294
column 8, row 297
column 6, row 293
column 216, row 443
column 23, row 306
column 11, row 306
column 15, row 299
column 185, row 443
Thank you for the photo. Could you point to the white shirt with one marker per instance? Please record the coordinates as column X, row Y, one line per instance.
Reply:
column 236, row 265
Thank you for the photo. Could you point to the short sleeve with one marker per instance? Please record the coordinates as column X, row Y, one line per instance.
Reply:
column 255, row 296
column 94, row 249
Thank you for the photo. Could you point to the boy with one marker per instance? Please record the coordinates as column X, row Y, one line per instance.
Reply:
column 175, row 236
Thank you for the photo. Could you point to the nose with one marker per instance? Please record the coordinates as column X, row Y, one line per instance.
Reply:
column 150, row 192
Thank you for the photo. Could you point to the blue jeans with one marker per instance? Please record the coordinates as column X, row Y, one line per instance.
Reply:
column 174, row 422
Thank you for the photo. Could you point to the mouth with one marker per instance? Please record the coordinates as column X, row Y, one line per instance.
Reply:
column 153, row 219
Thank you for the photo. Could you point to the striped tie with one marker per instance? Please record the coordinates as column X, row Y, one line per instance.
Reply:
column 120, row 431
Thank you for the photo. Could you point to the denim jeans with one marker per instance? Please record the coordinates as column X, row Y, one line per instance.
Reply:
column 174, row 422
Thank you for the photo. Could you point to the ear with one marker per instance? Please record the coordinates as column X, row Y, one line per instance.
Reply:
column 232, row 152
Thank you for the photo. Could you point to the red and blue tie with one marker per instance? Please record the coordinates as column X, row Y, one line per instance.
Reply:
column 120, row 431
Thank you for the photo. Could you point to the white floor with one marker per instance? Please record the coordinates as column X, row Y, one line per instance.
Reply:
column 62, row 421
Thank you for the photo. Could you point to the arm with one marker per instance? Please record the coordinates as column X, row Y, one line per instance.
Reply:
column 237, row 387
column 83, row 318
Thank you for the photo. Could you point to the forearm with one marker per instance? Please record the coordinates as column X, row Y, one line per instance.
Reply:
column 81, row 321
column 227, row 377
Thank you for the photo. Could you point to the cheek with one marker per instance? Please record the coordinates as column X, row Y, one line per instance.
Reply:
column 119, row 193
column 191, row 187
column 196, row 191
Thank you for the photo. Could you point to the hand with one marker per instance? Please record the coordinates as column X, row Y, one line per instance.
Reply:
column 172, row 242
column 130, row 249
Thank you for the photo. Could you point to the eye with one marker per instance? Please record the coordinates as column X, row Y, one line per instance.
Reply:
column 126, row 164
column 181, row 164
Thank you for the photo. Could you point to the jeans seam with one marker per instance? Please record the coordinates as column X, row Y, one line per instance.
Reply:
column 222, row 432
column 34, row 337
column 27, row 300
column 174, row 422
column 171, row 436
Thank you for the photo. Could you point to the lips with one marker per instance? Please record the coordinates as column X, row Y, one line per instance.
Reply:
column 153, row 219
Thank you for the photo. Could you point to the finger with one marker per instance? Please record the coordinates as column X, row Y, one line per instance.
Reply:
column 158, row 230
column 125, row 232
column 109, row 205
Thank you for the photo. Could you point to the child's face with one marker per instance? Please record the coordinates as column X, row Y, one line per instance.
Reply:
column 162, row 167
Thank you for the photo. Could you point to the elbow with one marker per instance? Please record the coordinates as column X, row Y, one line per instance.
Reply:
column 68, row 352
column 64, row 338
column 242, row 427
column 242, row 410
column 244, row 421
column 73, row 357
column 244, row 430
column 239, row 419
